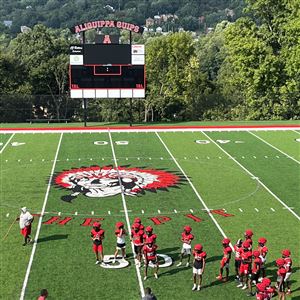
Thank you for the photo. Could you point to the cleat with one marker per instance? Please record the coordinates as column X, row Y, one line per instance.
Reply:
column 288, row 292
column 103, row 264
column 199, row 288
column 187, row 264
column 194, row 287
column 244, row 287
column 114, row 261
column 250, row 294
column 219, row 277
column 97, row 262
column 155, row 275
column 225, row 279
column 145, row 278
column 239, row 285
column 24, row 244
column 178, row 265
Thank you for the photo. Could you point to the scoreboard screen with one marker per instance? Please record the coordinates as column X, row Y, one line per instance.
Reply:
column 107, row 71
column 109, row 77
column 100, row 54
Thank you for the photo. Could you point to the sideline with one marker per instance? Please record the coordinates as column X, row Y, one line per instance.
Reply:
column 7, row 143
column 150, row 128
column 40, row 222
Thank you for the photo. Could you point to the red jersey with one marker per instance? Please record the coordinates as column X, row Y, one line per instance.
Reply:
column 187, row 238
column 263, row 250
column 137, row 237
column 150, row 252
column 238, row 252
column 227, row 252
column 151, row 236
column 97, row 236
column 246, row 257
column 281, row 274
column 288, row 264
column 257, row 262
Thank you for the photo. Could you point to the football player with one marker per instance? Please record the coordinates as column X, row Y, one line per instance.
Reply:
column 237, row 261
column 120, row 233
column 269, row 289
column 150, row 255
column 245, row 268
column 137, row 239
column 286, row 255
column 198, row 266
column 255, row 272
column 225, row 260
column 248, row 237
column 149, row 234
column 97, row 235
column 139, row 221
column 281, row 274
column 263, row 250
column 186, row 238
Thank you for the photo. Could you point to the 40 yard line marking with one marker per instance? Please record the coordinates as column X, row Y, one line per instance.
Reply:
column 248, row 172
column 194, row 189
column 40, row 222
column 126, row 213
column 295, row 160
column 7, row 143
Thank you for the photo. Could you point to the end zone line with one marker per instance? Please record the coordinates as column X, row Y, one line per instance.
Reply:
column 126, row 213
column 194, row 189
column 295, row 160
column 252, row 175
column 40, row 223
column 7, row 143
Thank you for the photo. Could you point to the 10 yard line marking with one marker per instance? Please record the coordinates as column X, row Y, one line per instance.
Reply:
column 248, row 172
column 274, row 147
column 194, row 189
column 7, row 143
column 40, row 222
column 126, row 213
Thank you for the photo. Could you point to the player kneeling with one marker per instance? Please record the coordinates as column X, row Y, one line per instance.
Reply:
column 198, row 266
column 150, row 255
column 121, row 245
column 225, row 260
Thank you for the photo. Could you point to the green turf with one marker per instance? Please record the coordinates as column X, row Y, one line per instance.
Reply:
column 64, row 262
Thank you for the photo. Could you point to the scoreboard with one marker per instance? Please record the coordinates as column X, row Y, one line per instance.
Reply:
column 107, row 71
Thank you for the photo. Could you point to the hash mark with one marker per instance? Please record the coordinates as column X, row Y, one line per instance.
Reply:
column 59, row 213
column 277, row 156
column 256, row 209
column 92, row 212
column 7, row 215
column 158, row 211
column 272, row 209
column 191, row 211
column 109, row 212
column 197, row 157
column 79, row 159
column 266, row 156
column 150, row 158
column 207, row 157
column 142, row 211
column 240, row 210
column 175, row 211
column 76, row 213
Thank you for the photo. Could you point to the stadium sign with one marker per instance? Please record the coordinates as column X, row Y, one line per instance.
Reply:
column 108, row 24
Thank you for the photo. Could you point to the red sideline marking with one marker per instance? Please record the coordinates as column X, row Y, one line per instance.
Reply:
column 133, row 128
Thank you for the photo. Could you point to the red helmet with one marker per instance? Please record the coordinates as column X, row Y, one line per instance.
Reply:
column 149, row 229
column 249, row 232
column 286, row 252
column 136, row 226
column 198, row 247
column 262, row 240
column 256, row 253
column 246, row 244
column 187, row 228
column 96, row 224
column 149, row 241
column 280, row 262
column 266, row 281
column 137, row 220
column 226, row 241
column 261, row 287
column 119, row 224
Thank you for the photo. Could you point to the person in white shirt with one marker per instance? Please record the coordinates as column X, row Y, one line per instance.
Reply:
column 121, row 244
column 26, row 220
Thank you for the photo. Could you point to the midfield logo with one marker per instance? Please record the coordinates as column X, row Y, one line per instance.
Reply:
column 96, row 181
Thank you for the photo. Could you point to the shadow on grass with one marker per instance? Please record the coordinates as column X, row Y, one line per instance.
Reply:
column 53, row 237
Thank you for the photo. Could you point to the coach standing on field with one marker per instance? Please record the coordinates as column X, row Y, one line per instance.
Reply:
column 26, row 220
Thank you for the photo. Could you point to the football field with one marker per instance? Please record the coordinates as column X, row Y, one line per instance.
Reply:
column 219, row 181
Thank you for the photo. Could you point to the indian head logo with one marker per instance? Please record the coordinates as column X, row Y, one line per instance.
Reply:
column 96, row 181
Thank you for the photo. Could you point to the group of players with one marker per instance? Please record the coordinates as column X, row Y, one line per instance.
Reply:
column 250, row 260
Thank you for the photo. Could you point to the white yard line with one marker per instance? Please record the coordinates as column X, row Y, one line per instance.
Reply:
column 40, row 223
column 252, row 175
column 292, row 158
column 296, row 131
column 138, row 273
column 7, row 143
column 194, row 189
